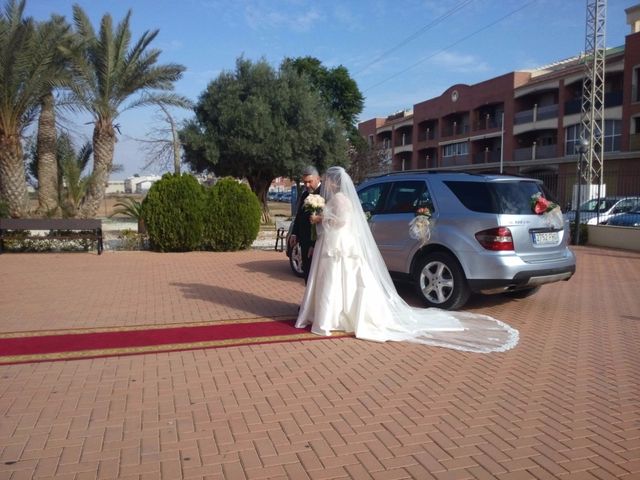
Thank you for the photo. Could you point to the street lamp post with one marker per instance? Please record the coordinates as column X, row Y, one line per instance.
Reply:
column 582, row 149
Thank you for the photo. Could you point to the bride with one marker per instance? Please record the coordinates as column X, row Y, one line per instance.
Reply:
column 350, row 289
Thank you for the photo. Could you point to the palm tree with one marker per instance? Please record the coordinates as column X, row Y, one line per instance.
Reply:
column 74, row 183
column 108, row 72
column 46, row 136
column 130, row 208
column 25, row 57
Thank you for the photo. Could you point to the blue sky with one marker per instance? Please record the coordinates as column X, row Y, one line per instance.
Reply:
column 399, row 52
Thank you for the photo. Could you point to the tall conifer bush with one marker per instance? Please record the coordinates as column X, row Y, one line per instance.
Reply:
column 173, row 213
column 232, row 216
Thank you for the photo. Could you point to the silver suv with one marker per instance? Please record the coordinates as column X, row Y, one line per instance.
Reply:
column 485, row 236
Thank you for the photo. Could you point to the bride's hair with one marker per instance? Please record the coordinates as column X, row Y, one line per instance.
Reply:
column 332, row 183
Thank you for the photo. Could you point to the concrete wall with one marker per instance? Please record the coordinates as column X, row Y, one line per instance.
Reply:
column 615, row 237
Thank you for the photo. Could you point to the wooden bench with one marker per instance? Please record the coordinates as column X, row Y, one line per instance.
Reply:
column 58, row 229
column 282, row 228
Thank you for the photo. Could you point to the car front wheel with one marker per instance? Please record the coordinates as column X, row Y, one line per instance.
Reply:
column 440, row 281
column 295, row 260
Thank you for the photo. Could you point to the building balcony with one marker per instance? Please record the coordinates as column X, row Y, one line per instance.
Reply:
column 453, row 130
column 488, row 123
column 403, row 148
column 486, row 157
column 611, row 99
column 426, row 136
column 536, row 114
column 534, row 152
column 403, row 140
column 455, row 160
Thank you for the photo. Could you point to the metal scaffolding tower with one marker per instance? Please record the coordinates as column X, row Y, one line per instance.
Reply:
column 592, row 113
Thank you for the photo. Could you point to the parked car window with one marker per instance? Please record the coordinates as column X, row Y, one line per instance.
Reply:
column 425, row 200
column 403, row 197
column 625, row 205
column 372, row 198
column 603, row 205
column 512, row 198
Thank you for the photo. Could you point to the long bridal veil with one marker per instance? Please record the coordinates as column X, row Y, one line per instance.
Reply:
column 388, row 316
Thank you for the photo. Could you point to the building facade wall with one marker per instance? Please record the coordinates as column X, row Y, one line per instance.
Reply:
column 537, row 133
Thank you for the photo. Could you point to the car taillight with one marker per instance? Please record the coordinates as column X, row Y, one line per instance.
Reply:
column 496, row 239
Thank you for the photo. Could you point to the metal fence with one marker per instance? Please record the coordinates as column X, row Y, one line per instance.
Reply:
column 615, row 186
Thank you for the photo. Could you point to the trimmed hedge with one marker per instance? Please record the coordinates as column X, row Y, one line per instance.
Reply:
column 232, row 216
column 584, row 233
column 173, row 213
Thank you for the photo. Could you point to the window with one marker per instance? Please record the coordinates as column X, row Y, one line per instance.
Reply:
column 612, row 135
column 455, row 149
column 636, row 84
column 404, row 196
column 572, row 139
column 424, row 200
column 500, row 197
column 372, row 198
column 370, row 140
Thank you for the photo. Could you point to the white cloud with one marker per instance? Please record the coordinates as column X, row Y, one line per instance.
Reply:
column 347, row 18
column 172, row 46
column 201, row 78
column 299, row 20
column 460, row 62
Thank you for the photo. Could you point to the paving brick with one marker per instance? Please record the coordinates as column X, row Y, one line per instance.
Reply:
column 563, row 404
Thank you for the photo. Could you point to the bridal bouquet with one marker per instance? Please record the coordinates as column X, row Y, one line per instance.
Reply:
column 549, row 210
column 420, row 226
column 314, row 204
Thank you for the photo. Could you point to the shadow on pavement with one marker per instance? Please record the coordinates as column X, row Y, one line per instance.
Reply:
column 239, row 300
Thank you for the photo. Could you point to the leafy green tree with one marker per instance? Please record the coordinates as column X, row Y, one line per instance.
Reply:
column 338, row 90
column 26, row 58
column 258, row 123
column 109, row 71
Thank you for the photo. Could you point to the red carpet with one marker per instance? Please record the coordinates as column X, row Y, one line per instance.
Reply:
column 26, row 347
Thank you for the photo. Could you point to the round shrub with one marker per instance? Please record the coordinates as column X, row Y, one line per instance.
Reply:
column 232, row 216
column 173, row 213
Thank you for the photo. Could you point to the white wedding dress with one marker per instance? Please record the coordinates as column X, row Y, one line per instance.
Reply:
column 349, row 288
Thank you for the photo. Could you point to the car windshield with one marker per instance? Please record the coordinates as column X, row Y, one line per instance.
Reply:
column 594, row 204
column 505, row 197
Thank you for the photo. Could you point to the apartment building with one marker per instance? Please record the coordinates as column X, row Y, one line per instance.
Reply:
column 524, row 122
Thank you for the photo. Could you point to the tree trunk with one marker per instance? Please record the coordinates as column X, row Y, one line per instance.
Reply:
column 13, row 185
column 104, row 140
column 47, row 164
column 260, row 186
column 175, row 139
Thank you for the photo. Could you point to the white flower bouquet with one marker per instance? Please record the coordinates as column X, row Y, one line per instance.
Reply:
column 314, row 204
column 549, row 210
column 420, row 226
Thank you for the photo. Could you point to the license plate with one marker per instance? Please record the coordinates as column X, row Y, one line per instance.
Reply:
column 545, row 238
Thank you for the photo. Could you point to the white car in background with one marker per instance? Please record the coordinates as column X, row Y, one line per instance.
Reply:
column 595, row 211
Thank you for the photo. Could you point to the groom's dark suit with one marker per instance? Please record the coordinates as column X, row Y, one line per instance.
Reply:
column 302, row 230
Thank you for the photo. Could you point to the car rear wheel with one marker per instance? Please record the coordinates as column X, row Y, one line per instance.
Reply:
column 295, row 260
column 440, row 281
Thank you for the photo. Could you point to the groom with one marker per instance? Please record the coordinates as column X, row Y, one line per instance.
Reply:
column 301, row 230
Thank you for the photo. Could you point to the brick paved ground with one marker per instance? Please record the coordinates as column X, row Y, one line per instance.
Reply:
column 564, row 404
